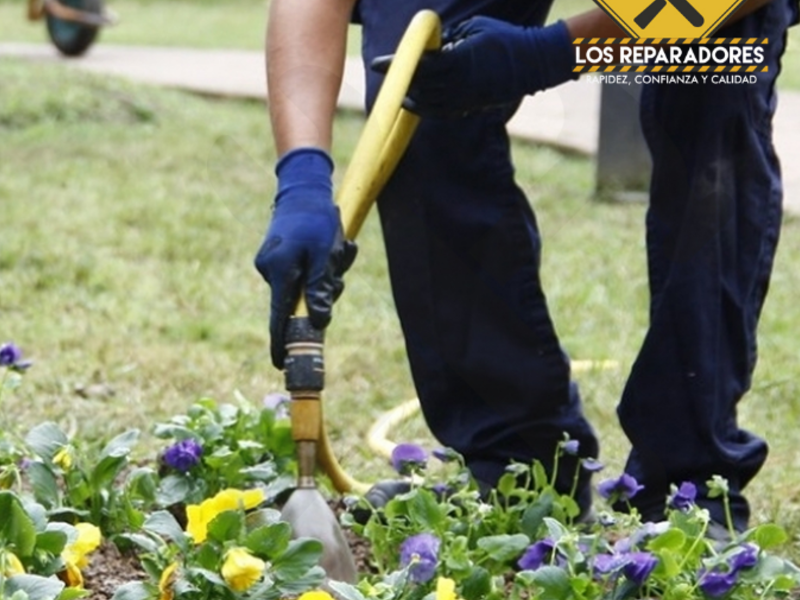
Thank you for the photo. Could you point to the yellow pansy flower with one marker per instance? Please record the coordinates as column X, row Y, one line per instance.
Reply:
column 63, row 458
column 316, row 595
column 241, row 569
column 166, row 581
column 10, row 565
column 75, row 554
column 72, row 576
column 445, row 589
column 198, row 516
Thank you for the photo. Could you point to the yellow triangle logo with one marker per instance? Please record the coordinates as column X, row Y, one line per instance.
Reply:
column 669, row 18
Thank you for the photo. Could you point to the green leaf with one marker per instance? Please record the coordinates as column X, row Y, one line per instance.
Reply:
column 261, row 472
column 46, row 439
column 71, row 593
column 35, row 586
column 208, row 557
column 668, row 565
column 51, row 541
column 171, row 430
column 106, row 471
column 44, row 484
column 164, row 524
column 312, row 578
column 262, row 517
column 173, row 489
column 209, row 576
column 269, row 540
column 17, row 529
column 297, row 559
column 785, row 583
column 457, row 558
column 142, row 484
column 672, row 539
column 769, row 536
column 345, row 591
column 424, row 509
column 553, row 582
column 227, row 526
column 477, row 584
column 502, row 548
column 507, row 484
column 120, row 445
column 144, row 542
column 534, row 515
column 37, row 513
column 555, row 530
column 540, row 479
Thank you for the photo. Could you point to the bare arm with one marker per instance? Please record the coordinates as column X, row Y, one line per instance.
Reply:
column 305, row 52
column 596, row 23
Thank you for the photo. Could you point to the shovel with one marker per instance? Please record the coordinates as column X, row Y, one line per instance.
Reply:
column 384, row 139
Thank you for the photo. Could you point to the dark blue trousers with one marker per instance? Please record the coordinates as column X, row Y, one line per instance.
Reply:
column 464, row 250
column 712, row 231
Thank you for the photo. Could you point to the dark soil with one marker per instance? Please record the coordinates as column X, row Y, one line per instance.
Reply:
column 109, row 568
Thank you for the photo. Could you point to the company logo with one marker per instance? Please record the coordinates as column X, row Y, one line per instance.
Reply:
column 669, row 18
column 673, row 37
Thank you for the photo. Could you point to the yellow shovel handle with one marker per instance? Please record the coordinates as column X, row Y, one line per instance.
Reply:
column 385, row 137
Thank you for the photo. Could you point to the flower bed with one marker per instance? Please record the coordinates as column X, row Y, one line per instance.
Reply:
column 202, row 521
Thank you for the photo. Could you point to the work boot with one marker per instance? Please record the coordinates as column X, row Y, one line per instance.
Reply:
column 377, row 497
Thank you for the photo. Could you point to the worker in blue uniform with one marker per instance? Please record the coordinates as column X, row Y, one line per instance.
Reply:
column 462, row 242
column 712, row 231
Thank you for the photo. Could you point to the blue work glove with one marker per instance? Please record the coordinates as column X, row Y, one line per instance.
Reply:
column 304, row 246
column 484, row 63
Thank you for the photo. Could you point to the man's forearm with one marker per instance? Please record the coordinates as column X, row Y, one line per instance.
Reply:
column 305, row 51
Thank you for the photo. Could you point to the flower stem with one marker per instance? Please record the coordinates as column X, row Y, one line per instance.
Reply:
column 575, row 479
column 554, row 475
column 726, row 503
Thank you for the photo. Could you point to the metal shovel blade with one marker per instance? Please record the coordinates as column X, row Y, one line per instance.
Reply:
column 310, row 516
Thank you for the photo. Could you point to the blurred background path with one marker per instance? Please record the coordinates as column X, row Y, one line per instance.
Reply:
column 566, row 117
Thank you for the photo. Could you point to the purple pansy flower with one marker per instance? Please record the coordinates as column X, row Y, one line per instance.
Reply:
column 183, row 455
column 536, row 554
column 746, row 559
column 407, row 458
column 571, row 447
column 624, row 488
column 603, row 564
column 592, row 465
column 638, row 566
column 277, row 403
column 421, row 551
column 11, row 357
column 716, row 583
column 684, row 497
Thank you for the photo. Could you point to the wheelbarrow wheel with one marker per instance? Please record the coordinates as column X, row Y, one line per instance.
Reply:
column 72, row 38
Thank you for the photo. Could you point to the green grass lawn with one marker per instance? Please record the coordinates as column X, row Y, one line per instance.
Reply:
column 130, row 219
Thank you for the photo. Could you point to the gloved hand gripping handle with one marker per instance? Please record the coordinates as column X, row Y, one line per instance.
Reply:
column 386, row 135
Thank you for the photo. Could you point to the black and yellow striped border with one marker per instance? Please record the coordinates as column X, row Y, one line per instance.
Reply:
column 671, row 69
column 681, row 41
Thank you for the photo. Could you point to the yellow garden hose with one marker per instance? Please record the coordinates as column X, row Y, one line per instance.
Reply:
column 385, row 137
column 378, row 435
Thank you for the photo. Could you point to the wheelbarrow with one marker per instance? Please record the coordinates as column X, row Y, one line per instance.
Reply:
column 72, row 25
column 383, row 140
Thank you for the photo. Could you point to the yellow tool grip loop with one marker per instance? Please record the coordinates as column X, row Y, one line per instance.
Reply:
column 383, row 141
